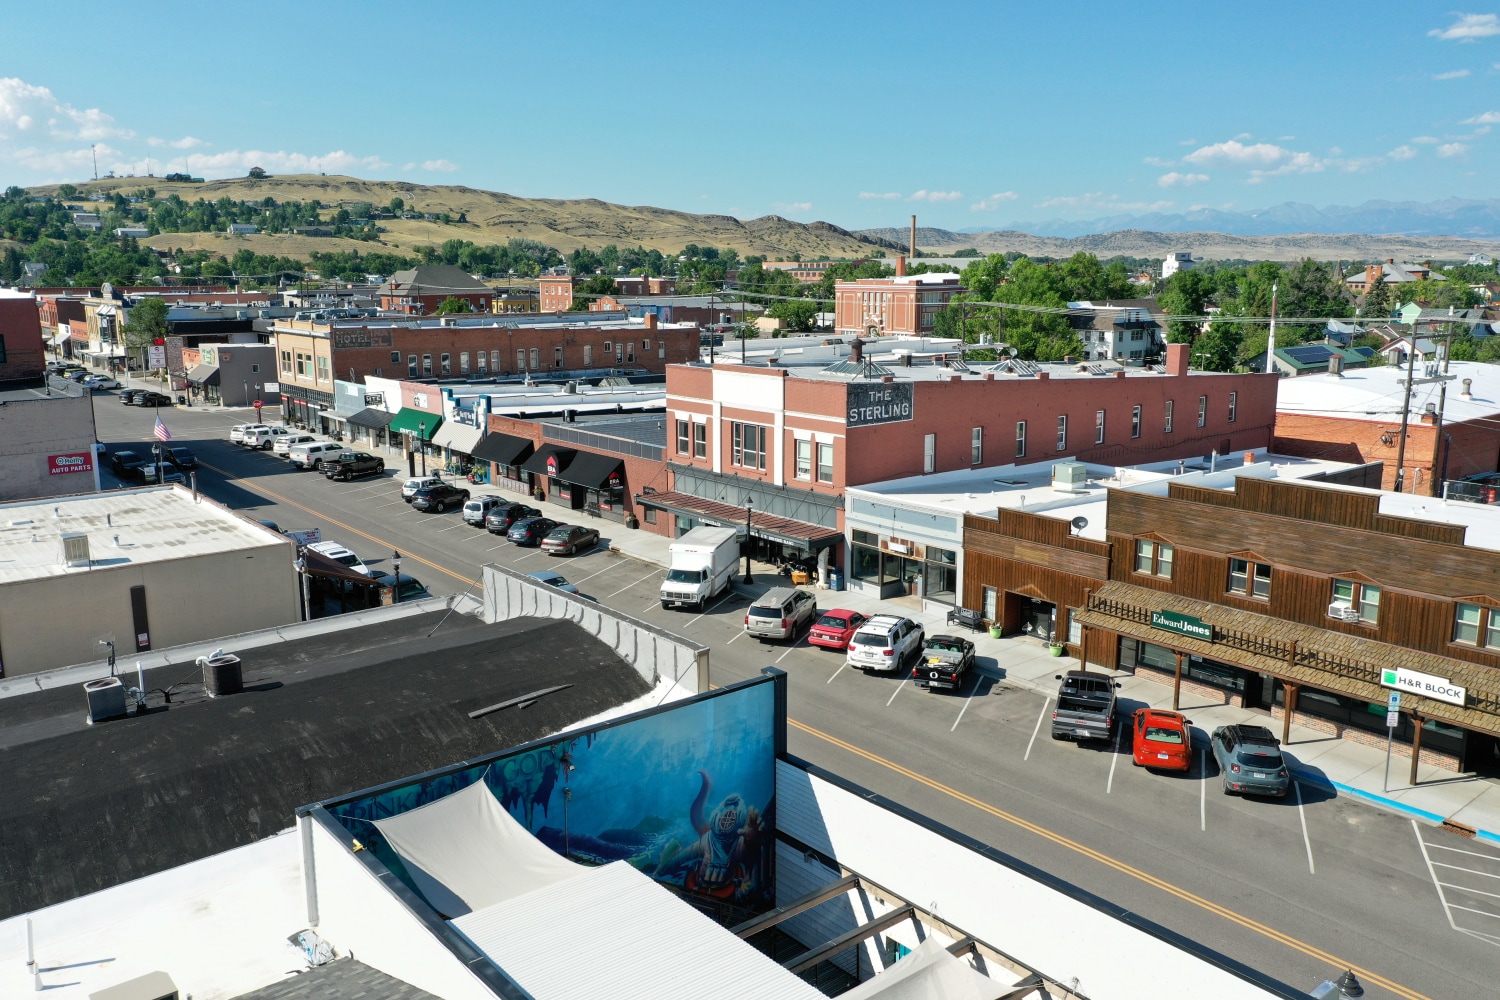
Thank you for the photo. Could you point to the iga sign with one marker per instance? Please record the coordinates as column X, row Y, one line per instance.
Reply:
column 879, row 403
column 62, row 465
column 1426, row 685
column 1195, row 628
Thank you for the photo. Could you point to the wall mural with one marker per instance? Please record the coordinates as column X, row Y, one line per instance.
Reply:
column 686, row 796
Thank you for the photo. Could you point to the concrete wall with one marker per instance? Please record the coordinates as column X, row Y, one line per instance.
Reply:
column 31, row 430
column 655, row 653
column 57, row 621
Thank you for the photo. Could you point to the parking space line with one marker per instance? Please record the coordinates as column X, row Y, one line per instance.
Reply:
column 502, row 545
column 1203, row 790
column 640, row 581
column 1442, row 898
column 1460, row 868
column 726, row 596
column 1114, row 758
column 899, row 685
column 836, row 672
column 460, row 524
column 978, row 680
column 789, row 649
column 1470, row 909
column 1301, row 815
column 736, row 636
column 1460, row 850
column 606, row 569
column 1476, row 892
column 391, row 504
column 1038, row 727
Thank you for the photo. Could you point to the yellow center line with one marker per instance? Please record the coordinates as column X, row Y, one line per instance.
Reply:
column 1119, row 866
column 347, row 527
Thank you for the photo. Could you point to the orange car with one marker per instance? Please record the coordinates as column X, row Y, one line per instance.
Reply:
column 1163, row 740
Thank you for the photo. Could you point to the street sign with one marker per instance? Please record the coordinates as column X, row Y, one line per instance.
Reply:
column 257, row 404
column 156, row 356
column 1393, row 701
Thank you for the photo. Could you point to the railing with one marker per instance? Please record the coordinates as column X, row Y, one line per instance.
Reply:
column 605, row 442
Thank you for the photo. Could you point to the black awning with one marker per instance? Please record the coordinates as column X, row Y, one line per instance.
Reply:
column 503, row 449
column 204, row 375
column 550, row 460
column 594, row 471
column 371, row 418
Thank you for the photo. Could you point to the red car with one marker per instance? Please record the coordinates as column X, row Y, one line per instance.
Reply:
column 835, row 628
column 1163, row 740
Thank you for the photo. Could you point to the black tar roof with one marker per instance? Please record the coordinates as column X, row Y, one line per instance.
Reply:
column 88, row 807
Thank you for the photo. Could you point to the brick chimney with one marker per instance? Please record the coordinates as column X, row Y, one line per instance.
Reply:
column 650, row 319
column 901, row 266
column 1372, row 271
column 1177, row 358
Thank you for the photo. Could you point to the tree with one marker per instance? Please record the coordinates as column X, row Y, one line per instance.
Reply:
column 397, row 206
column 590, row 289
column 257, row 172
column 1377, row 302
column 67, row 191
column 797, row 314
column 146, row 325
column 1185, row 293
column 453, row 305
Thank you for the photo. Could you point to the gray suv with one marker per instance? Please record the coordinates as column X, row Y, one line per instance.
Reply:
column 780, row 612
column 1250, row 760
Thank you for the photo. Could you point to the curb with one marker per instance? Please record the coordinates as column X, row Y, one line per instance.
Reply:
column 1386, row 802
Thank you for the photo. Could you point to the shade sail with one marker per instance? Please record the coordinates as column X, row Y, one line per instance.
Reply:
column 929, row 972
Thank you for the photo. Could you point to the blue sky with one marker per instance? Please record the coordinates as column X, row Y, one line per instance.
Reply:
column 860, row 114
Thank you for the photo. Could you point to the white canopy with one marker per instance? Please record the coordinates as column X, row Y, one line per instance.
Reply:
column 465, row 852
column 929, row 972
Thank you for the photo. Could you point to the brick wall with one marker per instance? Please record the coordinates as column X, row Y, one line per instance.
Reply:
column 1433, row 758
column 21, row 326
column 1475, row 446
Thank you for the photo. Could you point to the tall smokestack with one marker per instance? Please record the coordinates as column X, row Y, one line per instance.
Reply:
column 913, row 237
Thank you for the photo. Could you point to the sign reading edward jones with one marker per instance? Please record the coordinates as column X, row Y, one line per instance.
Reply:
column 879, row 403
column 61, row 465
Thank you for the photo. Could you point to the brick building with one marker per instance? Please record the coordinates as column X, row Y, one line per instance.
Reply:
column 420, row 290
column 903, row 304
column 22, row 361
column 555, row 292
column 807, row 271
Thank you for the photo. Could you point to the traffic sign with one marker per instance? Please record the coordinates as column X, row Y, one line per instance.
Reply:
column 257, row 404
column 1393, row 701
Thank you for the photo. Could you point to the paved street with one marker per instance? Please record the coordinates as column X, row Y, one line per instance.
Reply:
column 1297, row 889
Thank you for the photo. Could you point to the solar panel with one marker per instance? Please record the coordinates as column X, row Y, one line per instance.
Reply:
column 1311, row 354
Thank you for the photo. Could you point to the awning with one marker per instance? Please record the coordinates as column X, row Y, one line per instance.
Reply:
column 317, row 564
column 371, row 418
column 459, row 437
column 410, row 421
column 550, row 460
column 811, row 537
column 594, row 471
column 60, row 337
column 204, row 375
column 503, row 449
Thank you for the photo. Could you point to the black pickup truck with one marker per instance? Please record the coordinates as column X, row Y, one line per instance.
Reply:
column 350, row 464
column 1085, row 706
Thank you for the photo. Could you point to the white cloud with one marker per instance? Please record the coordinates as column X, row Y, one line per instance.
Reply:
column 993, row 202
column 883, row 195
column 186, row 142
column 1452, row 149
column 1402, row 153
column 935, row 196
column 234, row 162
column 1175, row 179
column 35, row 112
column 1157, row 161
column 1187, row 142
column 1098, row 201
column 1452, row 74
column 1469, row 28
column 445, row 166
column 792, row 206
column 1244, row 135
column 1236, row 153
column 1426, row 140
column 1488, row 118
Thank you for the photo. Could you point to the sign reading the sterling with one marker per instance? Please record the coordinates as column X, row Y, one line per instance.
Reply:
column 1426, row 685
column 879, row 403
column 1186, row 625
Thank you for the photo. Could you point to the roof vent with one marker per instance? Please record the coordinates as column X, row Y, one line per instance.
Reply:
column 1468, row 392
column 76, row 549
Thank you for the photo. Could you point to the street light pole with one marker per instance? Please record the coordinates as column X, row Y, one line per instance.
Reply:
column 422, row 444
column 396, row 565
column 748, row 543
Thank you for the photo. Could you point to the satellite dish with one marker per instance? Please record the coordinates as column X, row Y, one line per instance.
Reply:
column 1080, row 522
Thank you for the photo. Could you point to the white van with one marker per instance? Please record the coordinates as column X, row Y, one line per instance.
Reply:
column 286, row 442
column 307, row 456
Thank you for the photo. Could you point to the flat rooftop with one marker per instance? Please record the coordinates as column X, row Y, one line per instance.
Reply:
column 324, row 711
column 648, row 428
column 614, row 320
column 124, row 527
column 1377, row 393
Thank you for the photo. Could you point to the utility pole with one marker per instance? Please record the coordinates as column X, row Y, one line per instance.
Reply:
column 95, row 154
column 1411, row 361
column 1447, row 349
column 1271, row 341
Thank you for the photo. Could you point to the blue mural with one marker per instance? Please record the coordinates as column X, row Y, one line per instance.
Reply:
column 685, row 795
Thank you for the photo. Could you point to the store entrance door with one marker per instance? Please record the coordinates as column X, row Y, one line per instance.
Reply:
column 1031, row 616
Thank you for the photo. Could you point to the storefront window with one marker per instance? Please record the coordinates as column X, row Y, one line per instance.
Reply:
column 991, row 600
column 864, row 563
column 940, row 575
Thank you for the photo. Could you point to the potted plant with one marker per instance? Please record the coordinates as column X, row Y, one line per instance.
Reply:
column 995, row 630
column 631, row 521
column 1056, row 648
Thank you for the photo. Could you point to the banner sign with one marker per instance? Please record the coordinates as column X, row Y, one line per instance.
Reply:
column 1426, row 685
column 1187, row 625
column 62, row 465
column 879, row 403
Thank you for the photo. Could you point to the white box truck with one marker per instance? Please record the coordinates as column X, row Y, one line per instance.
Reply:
column 703, row 563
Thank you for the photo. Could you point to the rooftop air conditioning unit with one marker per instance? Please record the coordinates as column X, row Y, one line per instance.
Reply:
column 106, row 699
column 76, row 549
column 1343, row 612
column 1070, row 477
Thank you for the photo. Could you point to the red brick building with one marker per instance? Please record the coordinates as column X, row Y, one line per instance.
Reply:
column 555, row 292
column 807, row 271
column 419, row 291
column 22, row 361
column 903, row 304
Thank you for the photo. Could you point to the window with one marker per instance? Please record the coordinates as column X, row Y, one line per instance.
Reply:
column 323, row 375
column 929, row 453
column 1020, row 439
column 1153, row 558
column 1249, row 579
column 446, row 360
column 976, row 446
column 1062, row 433
column 588, row 355
column 608, row 347
column 379, row 371
column 804, row 459
column 825, row 463
column 940, row 575
column 1232, row 397
column 1466, row 621
column 700, row 440
column 1135, row 421
column 255, row 369
column 482, row 358
column 645, row 345
column 1168, row 427
column 682, row 437
column 304, row 365
column 520, row 359
column 495, row 360
column 648, row 514
column 991, row 605
column 286, row 362
column 411, row 365
column 536, row 357
column 427, row 364
column 2, row 350
column 1202, row 411
column 395, row 357
column 749, row 448
column 1075, row 628
column 1098, row 426
column 463, row 363
column 1363, row 597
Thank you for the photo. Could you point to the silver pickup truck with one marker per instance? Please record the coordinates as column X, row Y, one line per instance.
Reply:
column 1085, row 707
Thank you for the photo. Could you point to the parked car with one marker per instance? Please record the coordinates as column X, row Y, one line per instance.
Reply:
column 100, row 382
column 132, row 465
column 1249, row 758
column 438, row 497
column 340, row 555
column 147, row 397
column 410, row 487
column 834, row 628
column 307, row 456
column 348, row 464
column 500, row 519
column 779, row 613
column 284, row 443
column 1085, row 706
column 236, row 433
column 552, row 579
column 530, row 530
column 570, row 539
column 948, row 659
column 477, row 509
column 76, row 374
column 262, row 437
column 412, row 589
column 127, row 397
column 171, row 477
column 182, row 458
column 1161, row 740
column 885, row 642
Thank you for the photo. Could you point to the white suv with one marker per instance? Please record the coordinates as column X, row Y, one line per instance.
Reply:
column 340, row 555
column 262, row 437
column 284, row 444
column 238, row 431
column 885, row 642
column 410, row 487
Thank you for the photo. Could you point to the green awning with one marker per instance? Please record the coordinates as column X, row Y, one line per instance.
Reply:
column 410, row 421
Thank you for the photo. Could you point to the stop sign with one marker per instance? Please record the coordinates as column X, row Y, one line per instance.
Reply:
column 257, row 404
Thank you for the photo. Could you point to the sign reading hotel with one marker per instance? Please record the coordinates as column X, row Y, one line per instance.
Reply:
column 1194, row 628
column 879, row 403
column 1426, row 685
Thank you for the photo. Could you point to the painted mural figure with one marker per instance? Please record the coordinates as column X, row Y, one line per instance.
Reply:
column 728, row 844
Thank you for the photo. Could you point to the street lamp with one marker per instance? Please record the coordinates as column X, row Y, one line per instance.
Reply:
column 422, row 444
column 396, row 566
column 246, row 397
column 749, row 504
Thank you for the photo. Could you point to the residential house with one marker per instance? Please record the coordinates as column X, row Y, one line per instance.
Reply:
column 420, row 290
column 1126, row 330
column 1395, row 274
column 1177, row 260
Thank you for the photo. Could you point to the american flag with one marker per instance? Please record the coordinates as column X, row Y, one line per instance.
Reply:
column 161, row 432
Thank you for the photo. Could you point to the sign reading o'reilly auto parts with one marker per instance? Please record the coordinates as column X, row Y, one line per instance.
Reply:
column 62, row 465
column 879, row 403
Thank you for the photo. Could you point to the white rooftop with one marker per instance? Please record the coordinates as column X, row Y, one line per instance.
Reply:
column 154, row 524
column 1377, row 393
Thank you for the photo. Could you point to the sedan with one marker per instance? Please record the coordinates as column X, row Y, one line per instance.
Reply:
column 502, row 518
column 438, row 497
column 101, row 382
column 130, row 465
column 1163, row 740
column 552, row 579
column 183, row 458
column 147, row 397
column 530, row 530
column 127, row 397
column 835, row 628
column 570, row 539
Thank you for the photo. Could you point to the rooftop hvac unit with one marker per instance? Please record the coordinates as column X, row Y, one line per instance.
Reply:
column 1070, row 477
column 76, row 549
column 222, row 673
column 1343, row 612
column 106, row 699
